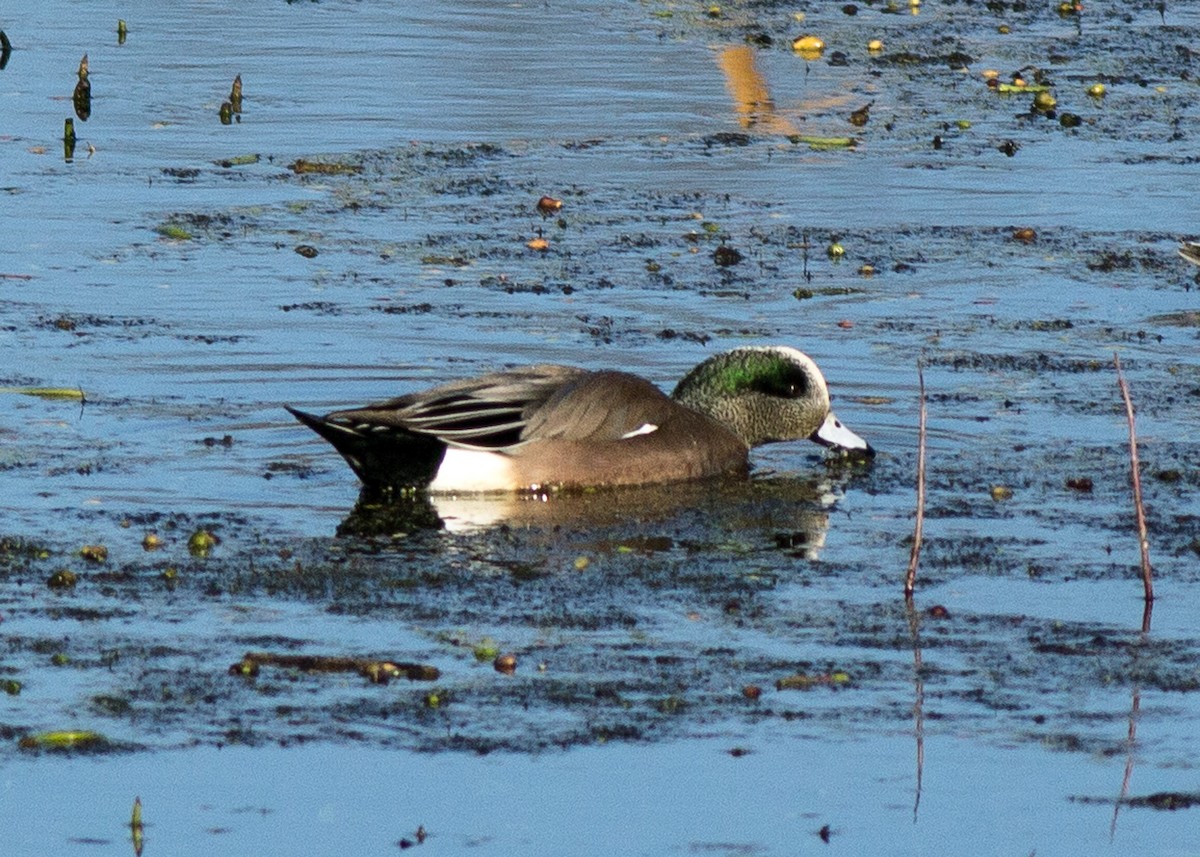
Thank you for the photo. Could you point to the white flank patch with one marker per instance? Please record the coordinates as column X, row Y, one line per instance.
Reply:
column 472, row 470
column 644, row 428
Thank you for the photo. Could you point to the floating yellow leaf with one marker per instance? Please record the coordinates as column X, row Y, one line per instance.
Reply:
column 321, row 168
column 173, row 231
column 46, row 392
column 66, row 739
column 823, row 142
column 238, row 161
column 1021, row 87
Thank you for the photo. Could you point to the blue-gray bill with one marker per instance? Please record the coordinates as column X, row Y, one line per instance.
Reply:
column 835, row 435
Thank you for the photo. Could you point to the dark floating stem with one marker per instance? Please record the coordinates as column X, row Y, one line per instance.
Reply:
column 82, row 97
column 68, row 139
column 910, row 579
column 1135, row 473
column 378, row 671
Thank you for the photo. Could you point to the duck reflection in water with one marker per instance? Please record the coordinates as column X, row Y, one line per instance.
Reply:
column 790, row 513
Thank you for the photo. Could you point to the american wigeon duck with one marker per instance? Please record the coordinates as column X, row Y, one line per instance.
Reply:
column 550, row 426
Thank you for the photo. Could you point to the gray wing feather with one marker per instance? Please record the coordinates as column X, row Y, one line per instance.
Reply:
column 491, row 412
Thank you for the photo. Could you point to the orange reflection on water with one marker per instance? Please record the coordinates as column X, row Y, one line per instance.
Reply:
column 752, row 100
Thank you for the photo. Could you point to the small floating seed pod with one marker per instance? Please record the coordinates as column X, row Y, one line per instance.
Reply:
column 246, row 668
column 94, row 553
column 548, row 205
column 226, row 113
column 201, row 543
column 1044, row 102
column 808, row 46
column 725, row 256
column 1097, row 90
column 122, row 31
column 506, row 664
column 235, row 95
column 64, row 578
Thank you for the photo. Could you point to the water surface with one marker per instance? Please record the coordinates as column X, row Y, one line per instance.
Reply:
column 637, row 619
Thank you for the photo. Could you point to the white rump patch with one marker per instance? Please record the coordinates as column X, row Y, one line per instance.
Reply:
column 644, row 428
column 473, row 470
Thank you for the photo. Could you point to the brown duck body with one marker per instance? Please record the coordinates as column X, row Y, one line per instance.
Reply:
column 548, row 426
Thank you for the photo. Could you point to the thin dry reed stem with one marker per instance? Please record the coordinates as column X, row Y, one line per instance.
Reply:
column 910, row 579
column 1135, row 470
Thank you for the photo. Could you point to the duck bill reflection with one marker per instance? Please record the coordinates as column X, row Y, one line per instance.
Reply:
column 833, row 434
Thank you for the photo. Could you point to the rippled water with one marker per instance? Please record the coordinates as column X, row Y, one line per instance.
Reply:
column 666, row 131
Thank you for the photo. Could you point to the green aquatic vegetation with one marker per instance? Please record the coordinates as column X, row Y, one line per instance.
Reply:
column 173, row 232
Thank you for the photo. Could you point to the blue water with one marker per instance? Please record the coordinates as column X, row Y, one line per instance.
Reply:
column 608, row 106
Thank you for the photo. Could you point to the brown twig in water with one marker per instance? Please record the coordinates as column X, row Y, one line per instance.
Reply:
column 1134, row 713
column 910, row 579
column 914, row 628
column 1135, row 469
column 378, row 671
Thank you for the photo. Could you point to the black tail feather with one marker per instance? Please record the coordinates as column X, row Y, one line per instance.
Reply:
column 382, row 456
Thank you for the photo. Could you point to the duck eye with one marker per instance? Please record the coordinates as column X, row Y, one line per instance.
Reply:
column 792, row 385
